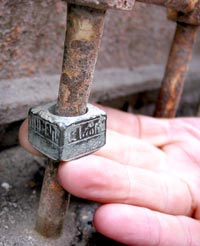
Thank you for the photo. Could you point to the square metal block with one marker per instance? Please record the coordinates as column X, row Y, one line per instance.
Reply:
column 66, row 138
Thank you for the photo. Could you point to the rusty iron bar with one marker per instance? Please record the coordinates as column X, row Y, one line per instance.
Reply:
column 176, row 70
column 184, row 6
column 85, row 28
column 52, row 205
column 83, row 35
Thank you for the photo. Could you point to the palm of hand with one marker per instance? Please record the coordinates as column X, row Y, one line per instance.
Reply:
column 148, row 177
column 183, row 166
column 148, row 174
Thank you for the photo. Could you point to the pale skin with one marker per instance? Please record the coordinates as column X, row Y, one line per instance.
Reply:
column 147, row 177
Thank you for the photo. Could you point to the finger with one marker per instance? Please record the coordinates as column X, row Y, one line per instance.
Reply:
column 156, row 131
column 132, row 151
column 138, row 226
column 134, row 125
column 23, row 139
column 118, row 147
column 106, row 181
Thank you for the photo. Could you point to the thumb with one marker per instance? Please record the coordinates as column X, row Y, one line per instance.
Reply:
column 23, row 139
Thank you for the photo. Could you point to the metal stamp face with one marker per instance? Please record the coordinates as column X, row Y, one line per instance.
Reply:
column 66, row 138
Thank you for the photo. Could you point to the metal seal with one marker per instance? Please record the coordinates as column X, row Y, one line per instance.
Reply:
column 66, row 138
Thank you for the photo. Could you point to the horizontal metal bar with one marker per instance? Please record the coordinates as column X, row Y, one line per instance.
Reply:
column 184, row 6
column 105, row 4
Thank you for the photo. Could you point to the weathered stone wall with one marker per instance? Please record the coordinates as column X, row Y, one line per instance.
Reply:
column 32, row 36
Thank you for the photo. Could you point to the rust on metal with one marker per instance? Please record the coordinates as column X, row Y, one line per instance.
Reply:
column 175, row 73
column 192, row 18
column 84, row 31
column 83, row 35
column 184, row 6
column 105, row 4
column 52, row 204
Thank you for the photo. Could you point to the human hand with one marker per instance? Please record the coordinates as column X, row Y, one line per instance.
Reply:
column 147, row 176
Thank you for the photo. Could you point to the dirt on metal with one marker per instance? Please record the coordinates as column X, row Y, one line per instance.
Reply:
column 176, row 70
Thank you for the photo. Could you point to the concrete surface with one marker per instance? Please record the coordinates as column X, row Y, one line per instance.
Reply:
column 20, row 182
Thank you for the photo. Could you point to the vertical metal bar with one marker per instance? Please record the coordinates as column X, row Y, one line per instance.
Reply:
column 83, row 35
column 176, row 69
column 52, row 205
column 85, row 28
